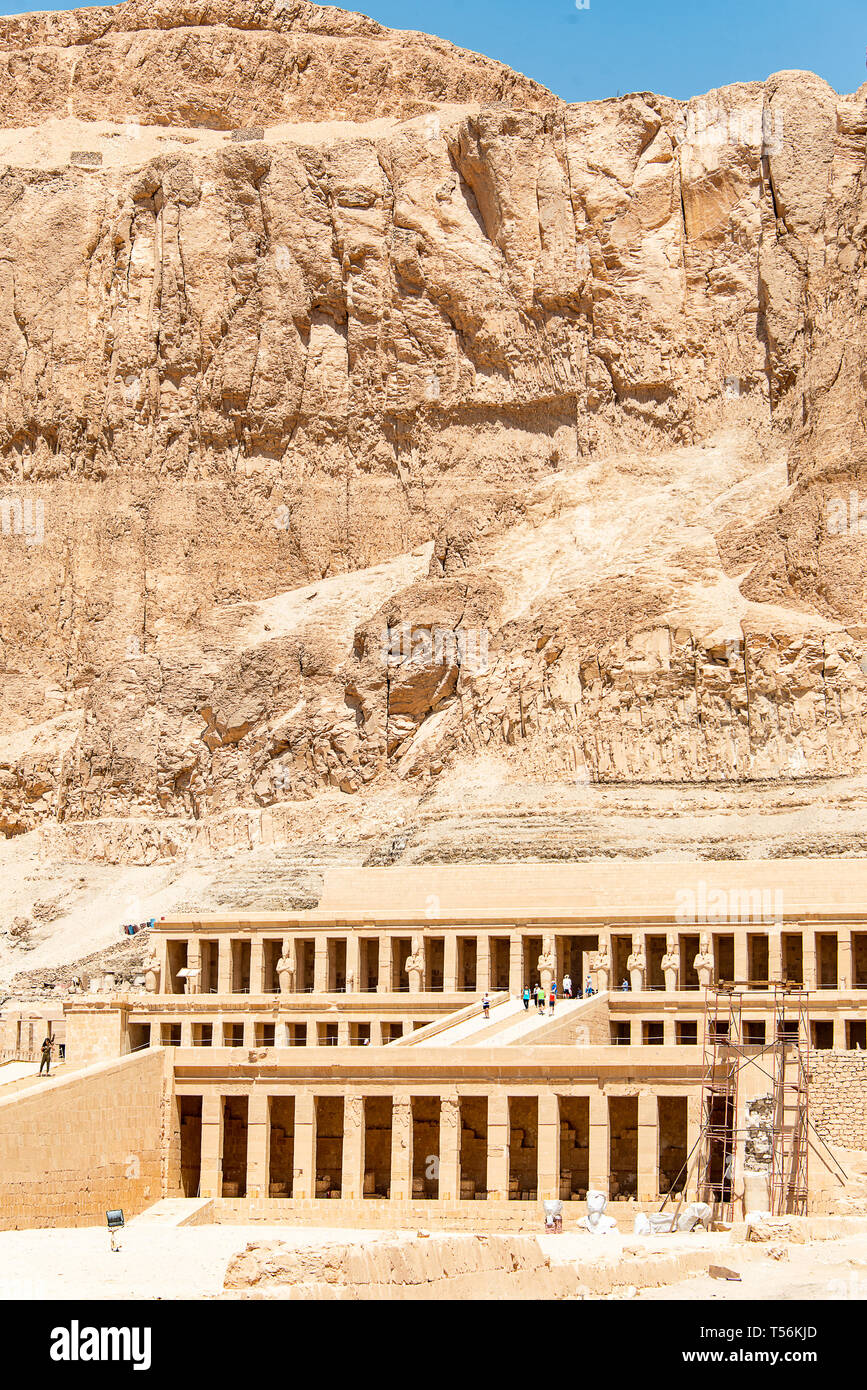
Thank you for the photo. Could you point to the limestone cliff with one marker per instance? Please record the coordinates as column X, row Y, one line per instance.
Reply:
column 429, row 351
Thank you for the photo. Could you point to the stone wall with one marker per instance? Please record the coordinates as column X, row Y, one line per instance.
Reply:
column 838, row 1097
column 587, row 1026
column 72, row 1148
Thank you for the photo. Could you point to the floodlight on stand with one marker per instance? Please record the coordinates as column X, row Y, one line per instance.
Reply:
column 115, row 1222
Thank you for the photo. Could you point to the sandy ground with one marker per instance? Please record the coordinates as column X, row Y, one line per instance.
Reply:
column 153, row 1262
column 190, row 1262
column 831, row 1269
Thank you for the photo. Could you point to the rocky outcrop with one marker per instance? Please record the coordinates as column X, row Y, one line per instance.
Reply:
column 445, row 418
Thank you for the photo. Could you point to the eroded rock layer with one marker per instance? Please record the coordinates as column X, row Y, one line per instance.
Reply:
column 435, row 417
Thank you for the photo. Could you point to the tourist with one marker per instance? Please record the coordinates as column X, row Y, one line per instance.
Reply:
column 526, row 997
column 625, row 984
column 540, row 999
column 567, row 986
column 46, row 1055
column 552, row 997
column 486, row 1004
column 589, row 991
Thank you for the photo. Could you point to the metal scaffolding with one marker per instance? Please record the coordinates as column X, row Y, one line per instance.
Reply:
column 725, row 1053
column 791, row 1117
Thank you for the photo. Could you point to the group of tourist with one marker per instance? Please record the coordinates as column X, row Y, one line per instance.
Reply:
column 545, row 996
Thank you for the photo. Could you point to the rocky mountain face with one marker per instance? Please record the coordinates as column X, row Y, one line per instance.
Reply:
column 365, row 410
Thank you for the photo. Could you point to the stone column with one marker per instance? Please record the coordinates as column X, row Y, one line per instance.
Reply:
column 549, row 1146
column 257, row 964
column 258, row 1144
column 742, row 967
column 808, row 936
column 648, row 1147
column 224, row 965
column 844, row 958
column 320, row 964
column 342, row 1032
column 450, row 1148
column 194, row 963
column 211, row 1175
column 401, row 1149
column 249, row 1033
column 599, row 1167
column 304, row 1154
column 498, row 1148
column 282, row 1034
column 155, row 1033
column 669, row 1028
column 450, row 962
column 186, row 1032
column 775, row 954
column 353, row 963
column 516, row 964
column 637, row 963
column 483, row 963
column 376, row 1032
column 839, row 1031
column 385, row 951
column 693, row 1130
column 352, row 1184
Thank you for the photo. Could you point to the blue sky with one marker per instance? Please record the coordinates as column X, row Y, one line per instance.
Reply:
column 680, row 48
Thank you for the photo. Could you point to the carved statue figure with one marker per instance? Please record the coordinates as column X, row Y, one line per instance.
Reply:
column 596, row 1222
column 636, row 964
column 671, row 962
column 601, row 965
column 152, row 969
column 547, row 963
column 704, row 963
column 286, row 966
column 414, row 965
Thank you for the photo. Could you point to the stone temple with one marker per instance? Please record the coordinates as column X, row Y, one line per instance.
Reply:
column 336, row 1064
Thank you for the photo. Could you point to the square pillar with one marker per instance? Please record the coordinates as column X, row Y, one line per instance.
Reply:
column 693, row 1131
column 376, row 1032
column 669, row 1029
column 304, row 1172
column 775, row 953
column 483, row 963
column 809, row 938
column 249, row 1033
column 211, row 1176
column 401, row 1149
column 224, row 965
column 281, row 1031
column 257, row 965
column 186, row 1032
column 258, row 1144
column 498, row 1147
column 648, row 1146
column 742, row 967
column 385, row 952
column 450, row 1148
column 342, row 1032
column 549, row 1146
column 353, row 1147
column 839, row 1032
column 516, row 964
column 320, row 964
column 155, row 1033
column 598, row 1155
column 353, row 963
column 450, row 962
column 844, row 958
